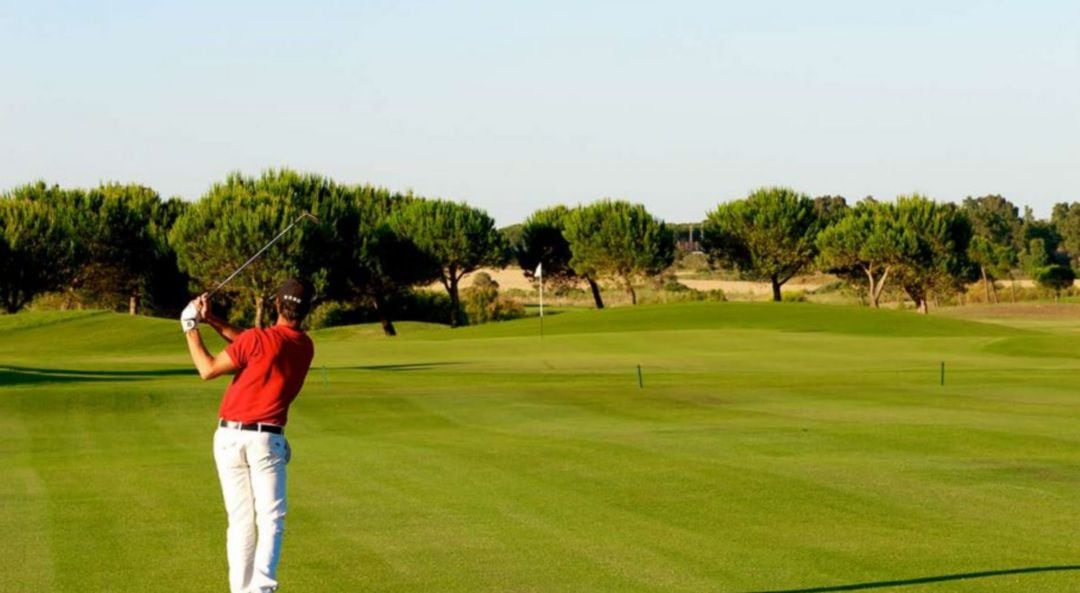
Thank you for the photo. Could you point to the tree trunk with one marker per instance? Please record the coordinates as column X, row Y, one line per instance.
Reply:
column 16, row 301
column 776, row 296
column 993, row 291
column 455, row 306
column 595, row 292
column 874, row 291
column 880, row 286
column 986, row 285
column 630, row 291
column 384, row 317
column 919, row 297
column 258, row 310
column 133, row 305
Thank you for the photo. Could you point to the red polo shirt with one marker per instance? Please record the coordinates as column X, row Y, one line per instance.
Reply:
column 271, row 366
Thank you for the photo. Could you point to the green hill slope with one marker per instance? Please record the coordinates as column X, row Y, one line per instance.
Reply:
column 787, row 317
column 767, row 448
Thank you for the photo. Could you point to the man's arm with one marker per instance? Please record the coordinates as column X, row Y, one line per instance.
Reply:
column 209, row 366
column 223, row 328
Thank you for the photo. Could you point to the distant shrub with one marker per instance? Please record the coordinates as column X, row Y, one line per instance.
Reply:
column 831, row 287
column 975, row 293
column 423, row 305
column 58, row 301
column 1009, row 291
column 506, row 309
column 570, row 291
column 715, row 295
column 77, row 300
column 683, row 295
column 694, row 261
column 335, row 313
column 1055, row 277
column 672, row 284
column 482, row 302
column 793, row 296
column 519, row 293
column 1024, row 293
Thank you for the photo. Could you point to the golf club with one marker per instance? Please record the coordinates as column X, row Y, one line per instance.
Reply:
column 302, row 216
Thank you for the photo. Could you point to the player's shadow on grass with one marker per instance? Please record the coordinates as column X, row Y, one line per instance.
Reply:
column 926, row 580
column 17, row 375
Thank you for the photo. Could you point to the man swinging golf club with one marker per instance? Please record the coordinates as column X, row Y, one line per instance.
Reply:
column 249, row 446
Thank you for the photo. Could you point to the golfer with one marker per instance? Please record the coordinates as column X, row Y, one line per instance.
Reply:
column 249, row 446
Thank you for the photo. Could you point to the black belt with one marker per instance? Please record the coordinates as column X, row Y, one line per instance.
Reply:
column 257, row 427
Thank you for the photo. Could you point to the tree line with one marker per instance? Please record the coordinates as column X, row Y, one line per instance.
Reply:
column 922, row 247
column 373, row 247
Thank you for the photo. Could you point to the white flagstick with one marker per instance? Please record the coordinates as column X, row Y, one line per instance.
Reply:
column 540, row 276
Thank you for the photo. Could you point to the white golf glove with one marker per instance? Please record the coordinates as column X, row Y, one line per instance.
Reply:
column 189, row 318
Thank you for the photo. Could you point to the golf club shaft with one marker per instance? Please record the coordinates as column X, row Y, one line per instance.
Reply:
column 260, row 252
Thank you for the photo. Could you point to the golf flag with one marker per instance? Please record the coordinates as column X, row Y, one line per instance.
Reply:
column 539, row 274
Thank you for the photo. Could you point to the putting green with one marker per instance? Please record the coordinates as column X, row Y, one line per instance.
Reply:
column 774, row 447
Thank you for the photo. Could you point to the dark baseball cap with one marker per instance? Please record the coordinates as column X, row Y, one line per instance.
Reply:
column 297, row 291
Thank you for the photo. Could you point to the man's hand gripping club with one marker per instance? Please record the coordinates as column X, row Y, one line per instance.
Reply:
column 209, row 366
column 190, row 316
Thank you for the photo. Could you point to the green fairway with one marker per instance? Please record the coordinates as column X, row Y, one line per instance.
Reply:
column 774, row 447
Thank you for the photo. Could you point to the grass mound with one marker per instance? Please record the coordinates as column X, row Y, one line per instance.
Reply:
column 768, row 448
column 784, row 317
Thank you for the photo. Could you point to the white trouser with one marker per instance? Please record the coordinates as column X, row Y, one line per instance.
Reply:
column 251, row 466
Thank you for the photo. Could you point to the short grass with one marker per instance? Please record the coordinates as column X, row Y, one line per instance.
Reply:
column 774, row 447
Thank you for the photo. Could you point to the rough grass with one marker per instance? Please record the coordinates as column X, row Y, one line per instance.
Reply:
column 774, row 447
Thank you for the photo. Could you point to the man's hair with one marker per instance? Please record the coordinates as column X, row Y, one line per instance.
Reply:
column 294, row 299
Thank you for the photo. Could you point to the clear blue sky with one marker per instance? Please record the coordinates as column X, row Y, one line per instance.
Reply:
column 512, row 106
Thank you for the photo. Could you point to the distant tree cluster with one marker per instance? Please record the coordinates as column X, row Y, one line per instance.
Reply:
column 109, row 241
column 923, row 247
column 913, row 244
column 124, row 247
column 125, row 243
column 604, row 240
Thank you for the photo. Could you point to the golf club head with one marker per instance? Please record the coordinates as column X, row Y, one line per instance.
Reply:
column 310, row 215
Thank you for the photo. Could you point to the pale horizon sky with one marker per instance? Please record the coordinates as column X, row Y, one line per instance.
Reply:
column 514, row 106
